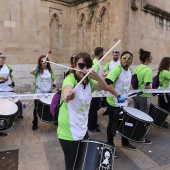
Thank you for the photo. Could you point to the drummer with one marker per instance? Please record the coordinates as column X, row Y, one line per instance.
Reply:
column 119, row 84
column 73, row 113
column 7, row 80
column 45, row 80
column 164, row 79
column 144, row 74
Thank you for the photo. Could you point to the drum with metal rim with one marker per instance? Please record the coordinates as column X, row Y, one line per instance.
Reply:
column 8, row 112
column 158, row 114
column 43, row 112
column 135, row 124
column 94, row 155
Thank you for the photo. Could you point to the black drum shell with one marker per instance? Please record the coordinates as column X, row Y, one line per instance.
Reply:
column 158, row 114
column 91, row 155
column 44, row 112
column 7, row 121
column 137, row 132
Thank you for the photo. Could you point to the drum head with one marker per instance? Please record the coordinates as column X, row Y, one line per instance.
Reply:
column 9, row 94
column 138, row 114
column 46, row 101
column 7, row 107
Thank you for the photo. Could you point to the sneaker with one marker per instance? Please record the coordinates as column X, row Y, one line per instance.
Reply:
column 147, row 141
column 20, row 117
column 129, row 146
column 165, row 126
column 95, row 130
column 3, row 134
column 106, row 112
column 34, row 126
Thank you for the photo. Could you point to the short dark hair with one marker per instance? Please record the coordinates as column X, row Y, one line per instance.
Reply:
column 98, row 50
column 116, row 51
column 143, row 55
column 126, row 52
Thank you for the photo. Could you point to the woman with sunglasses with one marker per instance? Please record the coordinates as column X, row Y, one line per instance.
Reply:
column 144, row 75
column 73, row 113
column 45, row 80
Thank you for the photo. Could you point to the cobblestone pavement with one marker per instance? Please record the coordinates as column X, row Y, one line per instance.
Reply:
column 40, row 149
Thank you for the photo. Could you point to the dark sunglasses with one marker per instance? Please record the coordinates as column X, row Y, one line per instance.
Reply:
column 3, row 58
column 82, row 65
column 127, row 57
column 116, row 51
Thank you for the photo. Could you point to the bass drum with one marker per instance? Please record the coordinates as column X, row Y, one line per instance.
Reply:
column 44, row 111
column 94, row 155
column 135, row 124
column 8, row 112
column 158, row 114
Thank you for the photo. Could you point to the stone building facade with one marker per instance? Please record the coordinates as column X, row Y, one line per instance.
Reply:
column 29, row 28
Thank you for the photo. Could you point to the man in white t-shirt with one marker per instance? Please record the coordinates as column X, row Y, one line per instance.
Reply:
column 107, row 68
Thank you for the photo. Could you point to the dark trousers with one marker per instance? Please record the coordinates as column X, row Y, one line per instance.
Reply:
column 113, row 124
column 20, row 110
column 162, row 103
column 35, row 118
column 70, row 149
column 94, row 107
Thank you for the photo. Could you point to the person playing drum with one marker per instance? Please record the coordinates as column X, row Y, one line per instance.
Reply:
column 119, row 84
column 164, row 79
column 144, row 74
column 45, row 80
column 7, row 81
column 73, row 113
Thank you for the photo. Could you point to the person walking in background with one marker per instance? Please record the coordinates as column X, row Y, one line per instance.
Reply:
column 45, row 80
column 96, row 101
column 107, row 68
column 73, row 113
column 119, row 84
column 144, row 75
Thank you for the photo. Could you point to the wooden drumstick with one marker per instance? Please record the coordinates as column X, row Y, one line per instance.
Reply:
column 49, row 52
column 96, row 65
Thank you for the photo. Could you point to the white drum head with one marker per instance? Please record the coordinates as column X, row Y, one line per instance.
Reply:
column 138, row 114
column 7, row 107
column 14, row 99
column 46, row 101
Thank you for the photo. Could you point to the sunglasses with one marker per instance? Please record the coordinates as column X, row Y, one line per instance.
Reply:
column 127, row 57
column 3, row 58
column 82, row 65
column 116, row 51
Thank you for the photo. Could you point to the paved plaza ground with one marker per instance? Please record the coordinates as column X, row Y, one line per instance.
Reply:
column 41, row 150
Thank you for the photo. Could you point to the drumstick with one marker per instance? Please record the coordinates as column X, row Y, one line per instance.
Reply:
column 49, row 52
column 63, row 66
column 96, row 65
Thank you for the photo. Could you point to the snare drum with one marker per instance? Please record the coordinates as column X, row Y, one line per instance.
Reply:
column 135, row 124
column 94, row 155
column 158, row 114
column 13, row 98
column 8, row 112
column 44, row 111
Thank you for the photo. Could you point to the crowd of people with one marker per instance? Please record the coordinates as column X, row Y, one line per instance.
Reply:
column 78, row 113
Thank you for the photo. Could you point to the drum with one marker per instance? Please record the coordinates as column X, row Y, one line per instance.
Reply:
column 135, row 124
column 94, row 155
column 44, row 111
column 8, row 112
column 158, row 114
column 13, row 99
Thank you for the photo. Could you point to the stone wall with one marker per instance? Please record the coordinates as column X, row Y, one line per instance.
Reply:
column 29, row 28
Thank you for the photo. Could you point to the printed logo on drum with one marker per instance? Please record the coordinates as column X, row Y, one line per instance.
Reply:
column 4, row 123
column 107, row 154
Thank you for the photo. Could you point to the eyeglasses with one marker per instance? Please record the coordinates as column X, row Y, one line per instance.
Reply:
column 116, row 51
column 127, row 57
column 3, row 58
column 82, row 65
